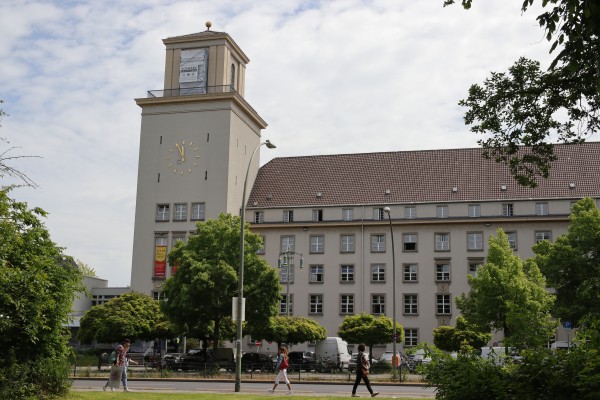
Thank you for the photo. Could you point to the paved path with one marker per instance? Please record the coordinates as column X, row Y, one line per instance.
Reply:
column 300, row 388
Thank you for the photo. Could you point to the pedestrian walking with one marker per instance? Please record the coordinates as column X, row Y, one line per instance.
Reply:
column 281, row 368
column 362, row 371
column 119, row 365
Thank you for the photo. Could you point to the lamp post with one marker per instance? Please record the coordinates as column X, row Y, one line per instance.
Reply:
column 395, row 334
column 238, row 344
column 287, row 262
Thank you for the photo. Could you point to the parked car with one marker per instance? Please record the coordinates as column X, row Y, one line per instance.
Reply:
column 257, row 362
column 301, row 361
column 196, row 359
column 388, row 355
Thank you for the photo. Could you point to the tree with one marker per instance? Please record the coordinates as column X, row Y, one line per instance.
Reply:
column 85, row 269
column 530, row 107
column 509, row 295
column 453, row 338
column 572, row 267
column 6, row 157
column 290, row 330
column 130, row 316
column 38, row 287
column 365, row 328
column 199, row 295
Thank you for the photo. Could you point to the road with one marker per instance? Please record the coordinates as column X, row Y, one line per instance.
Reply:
column 300, row 388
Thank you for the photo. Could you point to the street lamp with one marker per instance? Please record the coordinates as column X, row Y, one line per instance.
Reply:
column 286, row 259
column 238, row 344
column 395, row 334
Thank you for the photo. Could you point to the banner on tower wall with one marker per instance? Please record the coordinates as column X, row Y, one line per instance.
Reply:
column 160, row 261
column 188, row 73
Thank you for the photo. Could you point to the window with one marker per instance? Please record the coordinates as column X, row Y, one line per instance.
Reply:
column 442, row 304
column 347, row 273
column 409, row 242
column 179, row 237
column 411, row 337
column 162, row 212
column 507, row 210
column 410, row 273
column 197, row 212
column 378, row 273
column 283, row 274
column 261, row 250
column 410, row 212
column 288, row 216
column 315, row 304
column 512, row 239
column 317, row 244
column 233, row 76
column 377, row 243
column 283, row 306
column 259, row 217
column 378, row 304
column 347, row 304
column 410, row 304
column 474, row 266
column 347, row 214
column 475, row 241
column 541, row 208
column 442, row 272
column 180, row 212
column 378, row 213
column 347, row 244
column 287, row 244
column 442, row 241
column 474, row 210
column 441, row 211
column 316, row 274
column 543, row 235
column 317, row 215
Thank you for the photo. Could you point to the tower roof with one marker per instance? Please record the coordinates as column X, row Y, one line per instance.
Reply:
column 422, row 176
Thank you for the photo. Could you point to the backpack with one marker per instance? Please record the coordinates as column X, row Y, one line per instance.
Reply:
column 112, row 358
column 284, row 364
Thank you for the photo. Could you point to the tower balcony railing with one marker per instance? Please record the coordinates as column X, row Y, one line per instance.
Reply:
column 191, row 91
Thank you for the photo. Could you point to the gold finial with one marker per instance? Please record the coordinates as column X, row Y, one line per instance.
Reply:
column 208, row 25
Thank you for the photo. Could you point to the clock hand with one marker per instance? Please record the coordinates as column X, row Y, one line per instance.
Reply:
column 182, row 151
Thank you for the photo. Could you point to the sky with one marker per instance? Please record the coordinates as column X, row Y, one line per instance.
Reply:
column 329, row 77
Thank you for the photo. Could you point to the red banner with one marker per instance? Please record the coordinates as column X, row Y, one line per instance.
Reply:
column 160, row 261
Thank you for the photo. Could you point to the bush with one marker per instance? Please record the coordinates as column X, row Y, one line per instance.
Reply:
column 468, row 377
column 43, row 379
column 544, row 374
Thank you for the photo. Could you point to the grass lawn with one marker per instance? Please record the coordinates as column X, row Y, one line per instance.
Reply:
column 188, row 396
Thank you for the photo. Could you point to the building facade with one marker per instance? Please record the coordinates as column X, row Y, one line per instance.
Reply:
column 197, row 137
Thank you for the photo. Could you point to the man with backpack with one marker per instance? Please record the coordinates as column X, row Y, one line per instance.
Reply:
column 119, row 365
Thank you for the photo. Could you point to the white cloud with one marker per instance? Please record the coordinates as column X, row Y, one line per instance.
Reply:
column 329, row 77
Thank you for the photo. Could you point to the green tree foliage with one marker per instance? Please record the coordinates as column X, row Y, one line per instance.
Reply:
column 509, row 295
column 38, row 284
column 572, row 267
column 531, row 107
column 452, row 338
column 199, row 295
column 365, row 328
column 130, row 316
column 85, row 269
column 290, row 330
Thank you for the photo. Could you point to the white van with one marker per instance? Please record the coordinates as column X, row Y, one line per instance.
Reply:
column 333, row 351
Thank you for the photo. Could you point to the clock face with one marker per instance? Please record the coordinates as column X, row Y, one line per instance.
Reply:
column 183, row 158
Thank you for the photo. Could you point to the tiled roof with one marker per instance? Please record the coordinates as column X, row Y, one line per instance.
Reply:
column 417, row 176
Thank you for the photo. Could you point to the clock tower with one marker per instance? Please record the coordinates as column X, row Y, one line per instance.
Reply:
column 197, row 137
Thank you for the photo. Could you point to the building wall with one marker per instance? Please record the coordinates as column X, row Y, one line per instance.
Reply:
column 524, row 222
